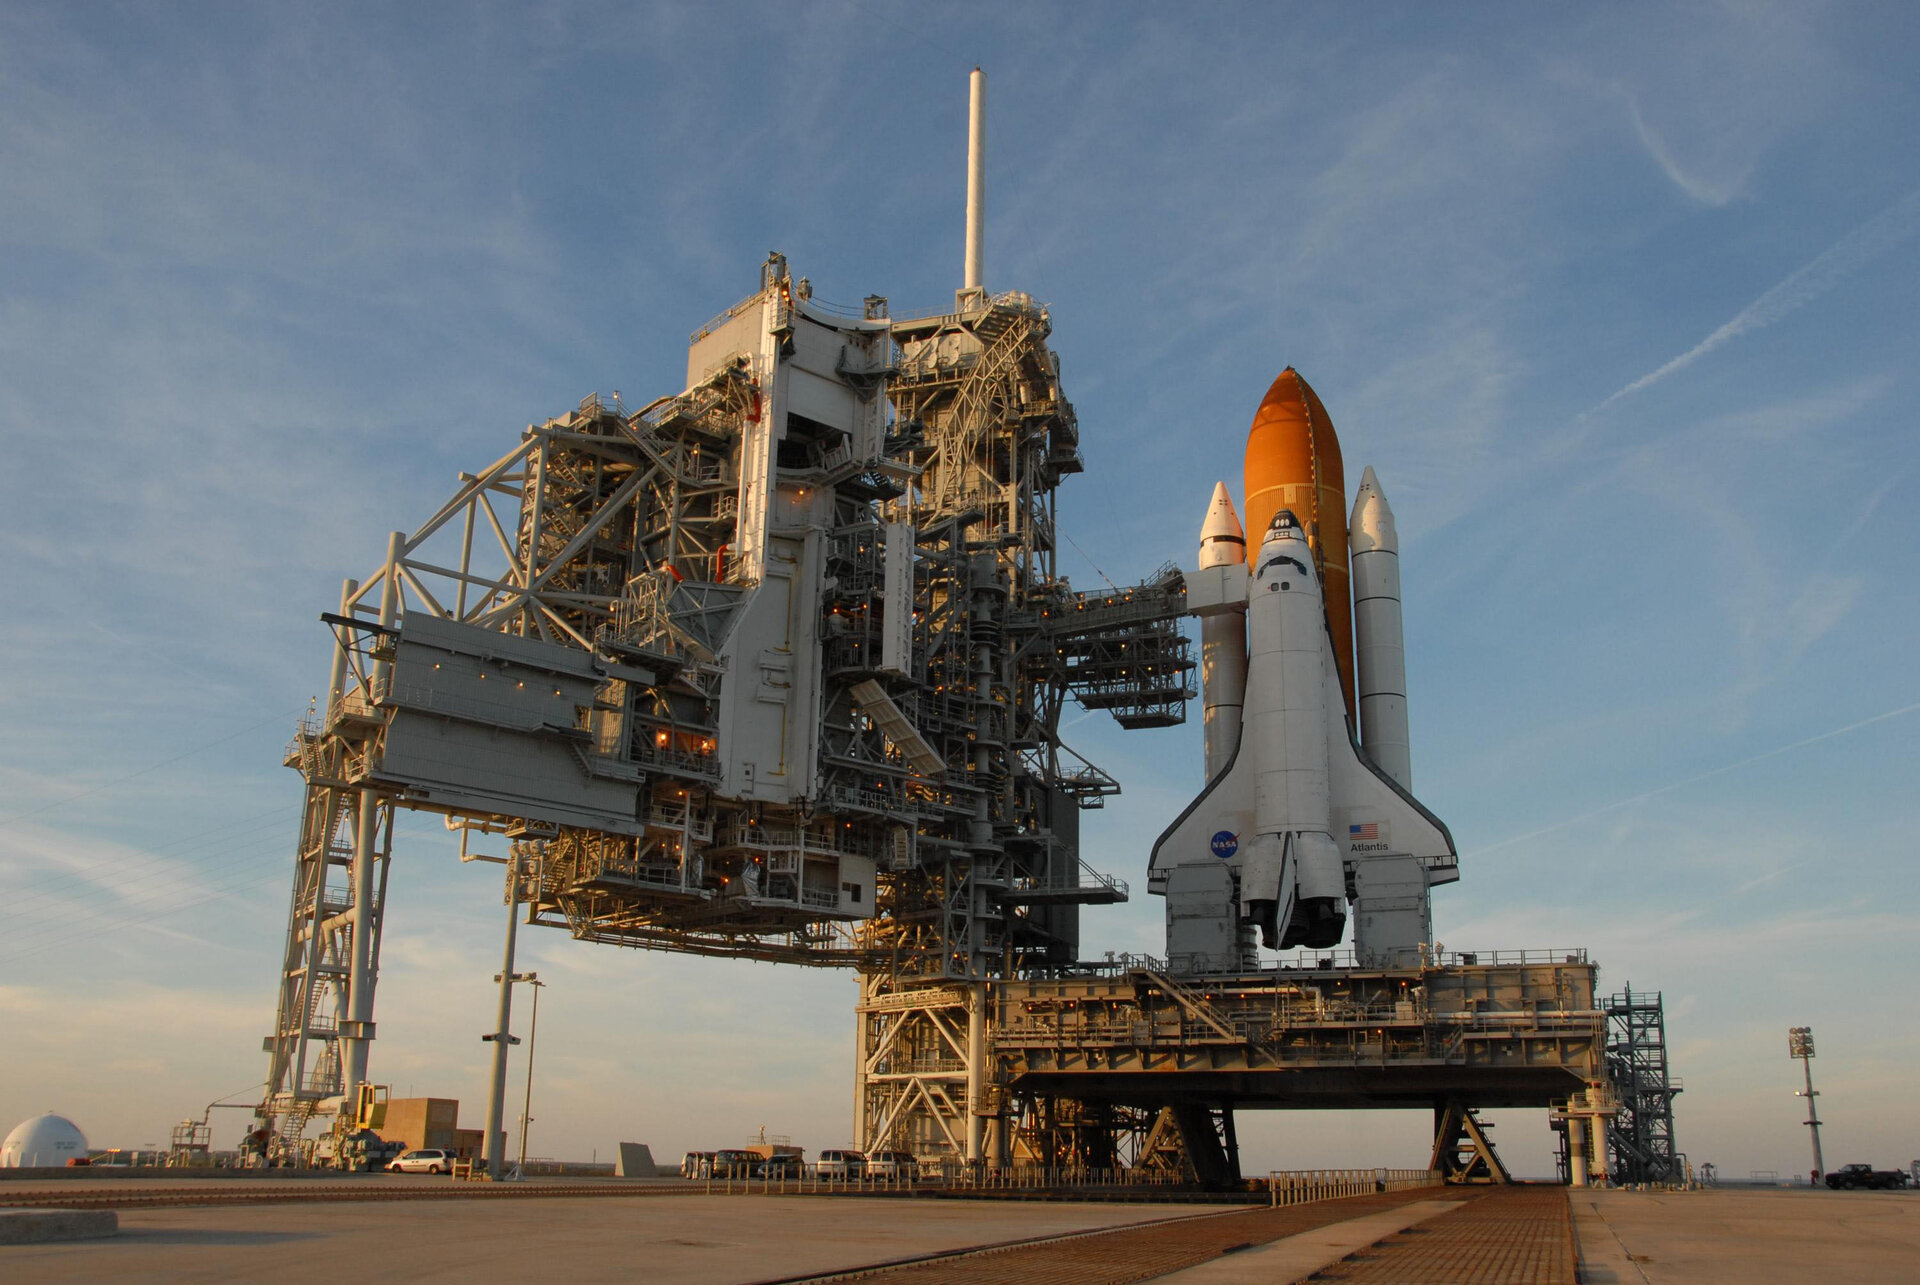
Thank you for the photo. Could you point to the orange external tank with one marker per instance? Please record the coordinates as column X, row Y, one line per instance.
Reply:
column 1293, row 462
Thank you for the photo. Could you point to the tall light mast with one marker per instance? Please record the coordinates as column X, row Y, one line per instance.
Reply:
column 1800, row 1045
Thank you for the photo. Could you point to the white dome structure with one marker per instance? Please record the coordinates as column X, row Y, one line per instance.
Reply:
column 46, row 1141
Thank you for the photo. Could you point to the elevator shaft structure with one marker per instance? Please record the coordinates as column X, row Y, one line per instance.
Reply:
column 771, row 668
column 1640, row 1137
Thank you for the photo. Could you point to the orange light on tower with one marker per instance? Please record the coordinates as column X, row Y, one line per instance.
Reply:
column 1293, row 462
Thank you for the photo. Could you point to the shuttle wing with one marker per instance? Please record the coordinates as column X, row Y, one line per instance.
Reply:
column 1373, row 816
column 1214, row 827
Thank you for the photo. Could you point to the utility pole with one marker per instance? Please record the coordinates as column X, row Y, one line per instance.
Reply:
column 502, row 1036
column 1800, row 1045
column 533, row 1034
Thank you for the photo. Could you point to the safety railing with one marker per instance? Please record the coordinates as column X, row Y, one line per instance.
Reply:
column 1281, row 1187
column 1316, row 961
column 1301, row 1186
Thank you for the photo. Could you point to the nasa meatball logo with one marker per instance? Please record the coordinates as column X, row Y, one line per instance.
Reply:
column 1225, row 843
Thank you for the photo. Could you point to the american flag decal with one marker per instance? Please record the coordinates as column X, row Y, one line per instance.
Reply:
column 1368, row 830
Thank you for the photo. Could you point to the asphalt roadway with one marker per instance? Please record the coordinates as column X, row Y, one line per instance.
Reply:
column 1623, row 1236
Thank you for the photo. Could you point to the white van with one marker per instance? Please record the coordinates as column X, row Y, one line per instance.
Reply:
column 893, row 1166
column 424, row 1160
column 841, row 1166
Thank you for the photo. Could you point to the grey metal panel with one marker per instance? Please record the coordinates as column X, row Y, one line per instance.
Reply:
column 896, row 644
column 462, row 766
column 494, row 723
column 1201, row 934
column 859, row 879
column 473, row 640
column 821, row 398
column 1391, row 916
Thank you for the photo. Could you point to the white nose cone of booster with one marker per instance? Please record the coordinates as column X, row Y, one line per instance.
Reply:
column 1379, row 644
column 1223, row 638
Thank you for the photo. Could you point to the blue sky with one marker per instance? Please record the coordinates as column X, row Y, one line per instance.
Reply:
column 1619, row 302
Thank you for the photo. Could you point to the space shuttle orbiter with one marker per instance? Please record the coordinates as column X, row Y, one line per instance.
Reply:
column 1299, row 814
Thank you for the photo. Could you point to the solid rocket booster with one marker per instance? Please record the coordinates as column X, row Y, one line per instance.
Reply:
column 1223, row 639
column 1379, row 646
column 1293, row 462
column 1287, row 727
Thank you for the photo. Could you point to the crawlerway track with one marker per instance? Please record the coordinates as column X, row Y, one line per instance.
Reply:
column 1496, row 1236
column 1519, row 1236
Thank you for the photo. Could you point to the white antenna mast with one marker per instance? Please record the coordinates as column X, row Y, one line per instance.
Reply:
column 976, row 177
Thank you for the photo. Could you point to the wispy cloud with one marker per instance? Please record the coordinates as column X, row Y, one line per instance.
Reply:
column 1841, row 260
column 1700, row 188
column 1645, row 795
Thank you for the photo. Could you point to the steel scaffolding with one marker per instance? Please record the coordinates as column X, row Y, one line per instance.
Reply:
column 1640, row 1137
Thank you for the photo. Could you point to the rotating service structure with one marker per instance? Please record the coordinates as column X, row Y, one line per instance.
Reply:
column 771, row 667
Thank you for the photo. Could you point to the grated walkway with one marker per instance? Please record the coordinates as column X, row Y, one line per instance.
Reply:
column 1126, row 1255
column 1508, row 1236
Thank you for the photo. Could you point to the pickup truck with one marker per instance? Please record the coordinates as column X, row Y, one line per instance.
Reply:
column 1850, row 1176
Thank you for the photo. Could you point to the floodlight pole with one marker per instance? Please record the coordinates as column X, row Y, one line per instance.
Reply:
column 1800, row 1045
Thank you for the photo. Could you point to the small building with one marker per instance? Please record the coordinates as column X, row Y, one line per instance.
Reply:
column 44, row 1142
column 430, row 1122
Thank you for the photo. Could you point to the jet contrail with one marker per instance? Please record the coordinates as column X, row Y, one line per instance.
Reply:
column 1867, row 242
column 1617, row 804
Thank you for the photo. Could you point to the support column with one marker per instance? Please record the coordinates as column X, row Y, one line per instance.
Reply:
column 337, row 680
column 497, row 1090
column 1598, row 1151
column 976, row 1072
column 356, row 1032
column 1205, row 1151
column 1576, row 1151
column 861, row 1021
column 382, row 670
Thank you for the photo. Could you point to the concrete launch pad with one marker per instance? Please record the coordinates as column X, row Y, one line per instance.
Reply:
column 682, row 1238
column 1621, row 1236
column 1784, row 1235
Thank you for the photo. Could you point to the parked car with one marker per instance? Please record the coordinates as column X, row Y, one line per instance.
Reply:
column 735, row 1164
column 841, row 1166
column 893, row 1166
column 785, row 1165
column 697, row 1164
column 424, row 1160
